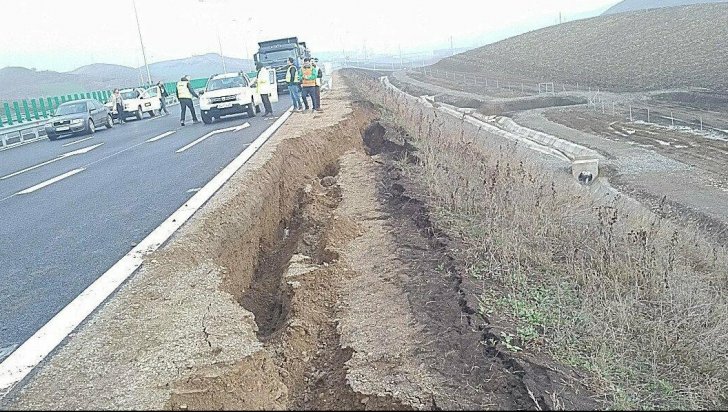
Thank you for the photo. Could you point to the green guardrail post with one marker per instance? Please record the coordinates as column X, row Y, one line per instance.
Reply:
column 63, row 99
column 50, row 106
column 18, row 115
column 95, row 95
column 1, row 121
column 43, row 111
column 88, row 95
column 34, row 106
column 26, row 110
column 8, row 117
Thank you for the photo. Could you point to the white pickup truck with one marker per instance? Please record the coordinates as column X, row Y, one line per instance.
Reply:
column 137, row 101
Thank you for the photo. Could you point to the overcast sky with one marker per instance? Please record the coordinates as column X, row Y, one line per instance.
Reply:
column 65, row 34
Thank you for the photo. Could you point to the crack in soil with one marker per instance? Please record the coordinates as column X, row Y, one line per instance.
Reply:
column 478, row 372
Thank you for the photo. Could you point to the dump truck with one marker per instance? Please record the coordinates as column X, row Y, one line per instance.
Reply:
column 275, row 54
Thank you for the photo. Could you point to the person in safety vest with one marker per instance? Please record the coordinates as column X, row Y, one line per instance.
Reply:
column 319, row 79
column 308, row 82
column 184, row 95
column 262, row 86
column 293, row 79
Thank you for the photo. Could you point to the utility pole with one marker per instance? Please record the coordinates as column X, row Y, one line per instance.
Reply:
column 401, row 62
column 222, row 56
column 144, row 53
column 560, row 20
column 452, row 49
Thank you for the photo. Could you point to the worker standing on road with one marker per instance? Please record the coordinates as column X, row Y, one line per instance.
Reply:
column 117, row 104
column 262, row 86
column 163, row 98
column 293, row 79
column 184, row 95
column 308, row 83
column 319, row 80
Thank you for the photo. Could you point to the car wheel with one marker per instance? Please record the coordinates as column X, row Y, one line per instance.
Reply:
column 206, row 118
column 109, row 122
column 151, row 113
column 251, row 109
column 52, row 137
column 257, row 108
column 91, row 128
column 139, row 113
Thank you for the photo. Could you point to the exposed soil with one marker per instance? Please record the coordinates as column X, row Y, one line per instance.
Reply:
column 315, row 280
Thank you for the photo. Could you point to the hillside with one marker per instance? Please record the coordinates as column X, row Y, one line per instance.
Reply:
column 656, row 49
column 20, row 82
column 633, row 5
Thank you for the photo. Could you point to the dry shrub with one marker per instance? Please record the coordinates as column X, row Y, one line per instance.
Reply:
column 638, row 300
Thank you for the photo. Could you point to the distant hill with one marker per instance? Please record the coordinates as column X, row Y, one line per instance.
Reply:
column 664, row 48
column 633, row 5
column 19, row 82
column 197, row 66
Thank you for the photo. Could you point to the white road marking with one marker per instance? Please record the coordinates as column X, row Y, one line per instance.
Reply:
column 197, row 189
column 78, row 141
column 63, row 156
column 161, row 136
column 212, row 133
column 50, row 181
column 24, row 359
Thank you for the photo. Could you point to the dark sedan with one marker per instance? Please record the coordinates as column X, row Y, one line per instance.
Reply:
column 78, row 116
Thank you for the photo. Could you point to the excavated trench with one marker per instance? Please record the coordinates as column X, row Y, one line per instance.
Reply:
column 282, row 270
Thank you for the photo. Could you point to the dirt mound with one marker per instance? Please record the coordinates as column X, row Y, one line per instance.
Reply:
column 655, row 49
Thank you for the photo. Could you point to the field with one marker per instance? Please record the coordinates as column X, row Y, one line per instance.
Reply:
column 649, row 50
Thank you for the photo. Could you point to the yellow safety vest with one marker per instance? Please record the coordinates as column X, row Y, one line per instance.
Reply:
column 182, row 90
column 295, row 77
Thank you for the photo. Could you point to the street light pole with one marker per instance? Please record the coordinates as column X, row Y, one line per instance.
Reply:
column 144, row 53
column 224, row 69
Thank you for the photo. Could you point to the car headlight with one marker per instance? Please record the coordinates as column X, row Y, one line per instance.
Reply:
column 240, row 97
column 76, row 121
column 205, row 101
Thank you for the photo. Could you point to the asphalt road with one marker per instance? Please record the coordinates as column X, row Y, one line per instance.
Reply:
column 58, row 236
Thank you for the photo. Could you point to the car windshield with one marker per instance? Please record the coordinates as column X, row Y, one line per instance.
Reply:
column 71, row 108
column 225, row 83
column 277, row 55
column 132, row 94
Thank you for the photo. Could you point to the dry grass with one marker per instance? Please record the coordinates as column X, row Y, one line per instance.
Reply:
column 637, row 300
column 655, row 49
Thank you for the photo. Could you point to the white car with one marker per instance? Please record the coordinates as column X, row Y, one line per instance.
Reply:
column 137, row 101
column 226, row 94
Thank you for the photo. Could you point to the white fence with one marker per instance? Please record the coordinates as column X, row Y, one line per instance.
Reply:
column 612, row 104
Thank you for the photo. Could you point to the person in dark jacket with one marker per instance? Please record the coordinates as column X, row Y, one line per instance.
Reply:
column 185, row 92
column 163, row 98
column 319, row 80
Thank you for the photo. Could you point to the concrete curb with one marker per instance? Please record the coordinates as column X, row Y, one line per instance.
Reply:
column 584, row 161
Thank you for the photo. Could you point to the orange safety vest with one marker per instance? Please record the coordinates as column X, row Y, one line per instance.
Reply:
column 308, row 72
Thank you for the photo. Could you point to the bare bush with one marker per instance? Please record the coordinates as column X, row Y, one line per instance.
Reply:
column 637, row 300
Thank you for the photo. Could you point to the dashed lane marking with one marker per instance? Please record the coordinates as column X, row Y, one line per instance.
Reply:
column 212, row 133
column 61, row 157
column 50, row 181
column 161, row 136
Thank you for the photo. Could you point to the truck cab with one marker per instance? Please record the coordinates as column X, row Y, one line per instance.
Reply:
column 275, row 53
